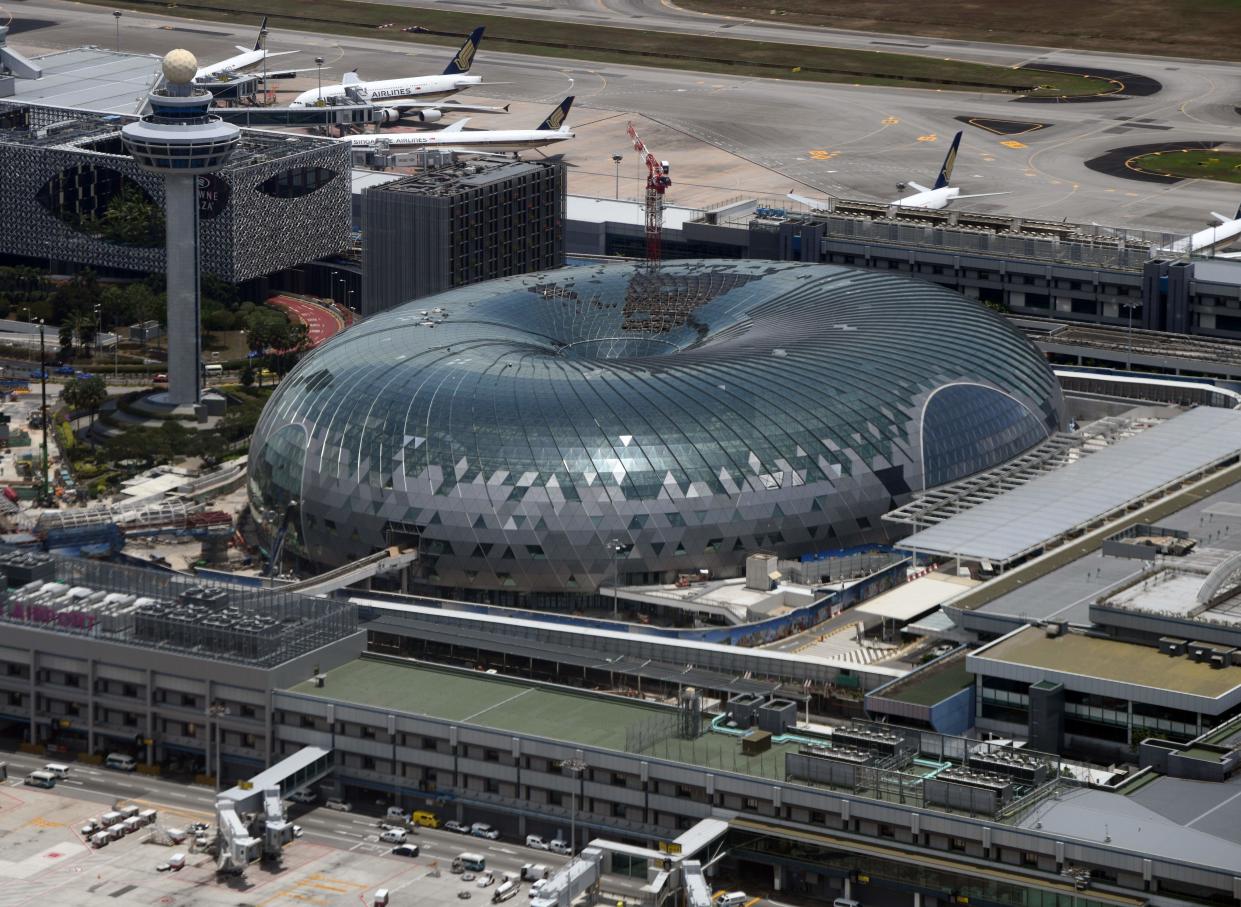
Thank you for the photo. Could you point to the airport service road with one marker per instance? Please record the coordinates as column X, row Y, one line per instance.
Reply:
column 729, row 136
column 322, row 324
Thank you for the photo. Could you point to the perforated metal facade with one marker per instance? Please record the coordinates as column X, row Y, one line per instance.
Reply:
column 252, row 224
column 523, row 428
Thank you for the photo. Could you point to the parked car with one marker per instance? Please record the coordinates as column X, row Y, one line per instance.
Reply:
column 536, row 842
column 486, row 878
column 160, row 379
column 64, row 369
column 539, row 885
column 393, row 836
column 483, row 830
column 405, row 850
column 303, row 796
column 396, row 814
column 560, row 846
column 454, row 825
column 341, row 806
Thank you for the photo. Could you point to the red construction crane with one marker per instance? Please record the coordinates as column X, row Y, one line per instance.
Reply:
column 657, row 182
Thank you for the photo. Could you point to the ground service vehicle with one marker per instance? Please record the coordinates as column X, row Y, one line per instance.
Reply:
column 505, row 891
column 121, row 762
column 469, row 862
column 41, row 779
column 425, row 819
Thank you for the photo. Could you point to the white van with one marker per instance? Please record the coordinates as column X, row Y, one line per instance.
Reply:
column 41, row 779
column 121, row 762
column 469, row 862
column 215, row 370
column 732, row 899
column 505, row 891
column 60, row 770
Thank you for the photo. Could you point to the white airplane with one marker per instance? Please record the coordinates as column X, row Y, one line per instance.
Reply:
column 938, row 196
column 248, row 59
column 412, row 97
column 1204, row 240
column 482, row 141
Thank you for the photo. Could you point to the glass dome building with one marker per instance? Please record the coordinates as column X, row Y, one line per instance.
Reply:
column 526, row 432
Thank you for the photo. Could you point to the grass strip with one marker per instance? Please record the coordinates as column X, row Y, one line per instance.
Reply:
column 1224, row 166
column 665, row 50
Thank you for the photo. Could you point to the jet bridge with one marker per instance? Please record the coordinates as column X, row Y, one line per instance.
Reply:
column 251, row 815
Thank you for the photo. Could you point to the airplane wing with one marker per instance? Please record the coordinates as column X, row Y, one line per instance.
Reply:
column 814, row 203
column 288, row 73
column 456, row 127
column 917, row 187
column 447, row 107
column 980, row 194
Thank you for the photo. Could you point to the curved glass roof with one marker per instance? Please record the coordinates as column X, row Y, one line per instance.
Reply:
column 605, row 384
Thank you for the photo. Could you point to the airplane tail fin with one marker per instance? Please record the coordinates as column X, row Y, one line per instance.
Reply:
column 558, row 118
column 465, row 56
column 945, row 172
column 261, row 41
column 350, row 78
column 1237, row 216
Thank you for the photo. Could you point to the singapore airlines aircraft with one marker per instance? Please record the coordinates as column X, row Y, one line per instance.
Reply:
column 248, row 59
column 414, row 95
column 1227, row 228
column 453, row 138
column 937, row 196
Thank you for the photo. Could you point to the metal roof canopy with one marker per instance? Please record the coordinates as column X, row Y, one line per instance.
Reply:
column 92, row 78
column 1094, row 488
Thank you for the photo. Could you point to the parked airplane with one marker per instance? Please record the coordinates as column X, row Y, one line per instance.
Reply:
column 482, row 141
column 940, row 195
column 411, row 97
column 1228, row 228
column 244, row 61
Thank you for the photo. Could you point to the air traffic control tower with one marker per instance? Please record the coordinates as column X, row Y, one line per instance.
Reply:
column 181, row 141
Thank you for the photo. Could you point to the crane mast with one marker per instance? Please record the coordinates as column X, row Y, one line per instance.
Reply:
column 657, row 182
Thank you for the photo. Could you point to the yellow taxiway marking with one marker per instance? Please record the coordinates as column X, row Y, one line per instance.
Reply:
column 890, row 121
column 822, row 154
column 932, row 137
column 1013, row 143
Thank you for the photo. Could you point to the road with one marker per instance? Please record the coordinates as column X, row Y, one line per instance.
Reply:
column 321, row 322
column 850, row 141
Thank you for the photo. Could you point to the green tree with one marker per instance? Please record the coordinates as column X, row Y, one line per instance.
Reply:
column 133, row 219
column 247, row 376
column 85, row 393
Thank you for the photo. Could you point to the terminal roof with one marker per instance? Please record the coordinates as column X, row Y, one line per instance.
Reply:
column 1038, row 513
column 91, row 78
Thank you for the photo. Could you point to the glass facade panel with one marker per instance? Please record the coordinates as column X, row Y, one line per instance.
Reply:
column 695, row 416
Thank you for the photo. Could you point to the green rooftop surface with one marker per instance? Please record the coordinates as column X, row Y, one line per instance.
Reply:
column 506, row 704
column 932, row 686
column 1201, row 752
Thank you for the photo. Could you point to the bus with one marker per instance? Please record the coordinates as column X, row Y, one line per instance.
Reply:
column 469, row 862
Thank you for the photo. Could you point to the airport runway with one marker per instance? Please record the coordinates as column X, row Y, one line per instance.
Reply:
column 850, row 141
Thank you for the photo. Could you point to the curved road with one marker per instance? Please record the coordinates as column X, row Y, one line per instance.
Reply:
column 321, row 322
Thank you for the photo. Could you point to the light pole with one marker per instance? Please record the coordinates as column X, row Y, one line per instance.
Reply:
column 116, row 14
column 576, row 766
column 98, row 331
column 46, row 492
column 319, row 71
column 616, row 159
column 217, row 710
column 331, row 285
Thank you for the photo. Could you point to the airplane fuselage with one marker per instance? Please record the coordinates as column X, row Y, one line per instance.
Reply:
column 931, row 199
column 499, row 140
column 431, row 88
column 240, row 63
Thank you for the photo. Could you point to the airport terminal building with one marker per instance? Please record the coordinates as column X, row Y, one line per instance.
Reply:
column 72, row 195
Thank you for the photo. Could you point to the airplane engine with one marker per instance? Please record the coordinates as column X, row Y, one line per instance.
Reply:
column 426, row 116
column 390, row 115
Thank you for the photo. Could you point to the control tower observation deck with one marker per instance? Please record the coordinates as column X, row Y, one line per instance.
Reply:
column 181, row 140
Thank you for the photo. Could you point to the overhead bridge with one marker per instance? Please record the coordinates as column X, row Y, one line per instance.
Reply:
column 386, row 561
column 333, row 115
